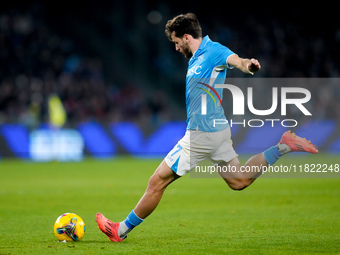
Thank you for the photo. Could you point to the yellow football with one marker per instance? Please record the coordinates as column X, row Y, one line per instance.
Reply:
column 69, row 227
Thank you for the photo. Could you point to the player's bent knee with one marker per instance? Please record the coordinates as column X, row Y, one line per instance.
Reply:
column 237, row 187
column 158, row 182
column 239, row 184
column 154, row 184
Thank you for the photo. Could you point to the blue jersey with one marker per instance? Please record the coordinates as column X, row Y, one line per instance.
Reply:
column 207, row 67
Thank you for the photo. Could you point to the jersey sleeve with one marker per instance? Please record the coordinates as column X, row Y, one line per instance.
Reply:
column 223, row 53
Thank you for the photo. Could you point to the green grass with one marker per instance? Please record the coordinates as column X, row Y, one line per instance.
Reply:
column 195, row 216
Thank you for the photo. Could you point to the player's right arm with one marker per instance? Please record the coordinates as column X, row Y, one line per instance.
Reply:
column 244, row 64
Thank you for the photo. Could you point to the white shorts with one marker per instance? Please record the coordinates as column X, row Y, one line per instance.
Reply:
column 196, row 146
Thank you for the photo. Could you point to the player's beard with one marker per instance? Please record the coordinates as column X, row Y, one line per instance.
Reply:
column 186, row 51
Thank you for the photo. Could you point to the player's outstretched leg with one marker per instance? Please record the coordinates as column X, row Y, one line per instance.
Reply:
column 289, row 142
column 117, row 231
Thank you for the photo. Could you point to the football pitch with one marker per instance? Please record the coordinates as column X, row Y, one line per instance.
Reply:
column 195, row 216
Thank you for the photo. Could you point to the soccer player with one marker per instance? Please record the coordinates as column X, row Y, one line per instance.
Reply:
column 202, row 140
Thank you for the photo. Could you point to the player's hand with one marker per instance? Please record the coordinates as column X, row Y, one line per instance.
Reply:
column 254, row 65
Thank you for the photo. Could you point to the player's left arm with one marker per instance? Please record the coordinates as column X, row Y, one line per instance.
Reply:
column 244, row 64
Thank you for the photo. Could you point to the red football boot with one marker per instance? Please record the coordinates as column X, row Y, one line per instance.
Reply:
column 296, row 143
column 109, row 228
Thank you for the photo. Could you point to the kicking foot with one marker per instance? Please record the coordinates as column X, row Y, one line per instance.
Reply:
column 109, row 228
column 296, row 143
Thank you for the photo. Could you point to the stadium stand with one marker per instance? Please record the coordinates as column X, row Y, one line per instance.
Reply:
column 40, row 57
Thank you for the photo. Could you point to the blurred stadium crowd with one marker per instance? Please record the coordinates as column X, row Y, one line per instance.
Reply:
column 36, row 62
column 38, row 59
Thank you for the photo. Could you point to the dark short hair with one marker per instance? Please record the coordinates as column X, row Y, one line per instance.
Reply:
column 183, row 24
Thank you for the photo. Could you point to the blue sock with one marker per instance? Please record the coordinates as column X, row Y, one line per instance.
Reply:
column 132, row 220
column 272, row 155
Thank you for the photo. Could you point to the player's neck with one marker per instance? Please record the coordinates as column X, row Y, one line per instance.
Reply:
column 195, row 44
